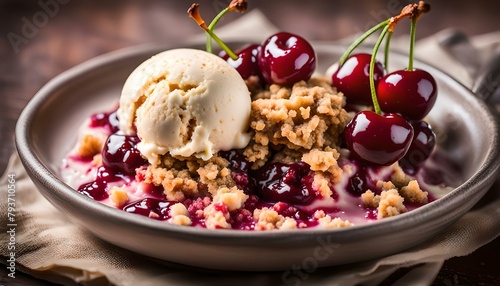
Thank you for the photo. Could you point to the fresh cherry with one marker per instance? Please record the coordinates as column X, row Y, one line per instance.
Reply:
column 352, row 78
column 286, row 58
column 289, row 183
column 424, row 141
column 246, row 64
column 121, row 155
column 411, row 93
column 378, row 139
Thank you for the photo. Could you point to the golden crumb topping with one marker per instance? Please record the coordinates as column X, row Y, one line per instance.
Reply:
column 308, row 115
column 413, row 194
column 90, row 145
column 118, row 196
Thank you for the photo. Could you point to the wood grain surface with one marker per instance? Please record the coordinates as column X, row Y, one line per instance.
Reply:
column 41, row 39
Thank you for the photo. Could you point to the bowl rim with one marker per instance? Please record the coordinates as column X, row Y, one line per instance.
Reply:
column 36, row 167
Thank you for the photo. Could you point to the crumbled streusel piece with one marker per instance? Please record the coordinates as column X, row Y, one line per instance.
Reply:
column 325, row 161
column 216, row 218
column 413, row 194
column 391, row 204
column 267, row 219
column 233, row 198
column 257, row 154
column 90, row 145
column 385, row 186
column 321, row 183
column 179, row 214
column 369, row 199
column 390, row 201
column 176, row 184
column 289, row 223
column 118, row 196
column 328, row 222
column 399, row 177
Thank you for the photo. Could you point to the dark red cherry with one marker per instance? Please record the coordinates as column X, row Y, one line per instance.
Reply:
column 378, row 139
column 424, row 141
column 409, row 93
column 246, row 64
column 286, row 58
column 353, row 78
column 289, row 183
column 121, row 155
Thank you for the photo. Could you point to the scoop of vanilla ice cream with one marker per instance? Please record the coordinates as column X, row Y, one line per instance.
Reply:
column 185, row 102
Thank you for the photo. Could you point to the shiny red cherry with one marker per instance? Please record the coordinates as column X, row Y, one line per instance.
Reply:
column 424, row 141
column 378, row 139
column 246, row 64
column 353, row 78
column 121, row 155
column 409, row 93
column 286, row 58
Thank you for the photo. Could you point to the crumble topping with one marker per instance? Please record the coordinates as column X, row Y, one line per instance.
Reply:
column 324, row 161
column 326, row 221
column 390, row 204
column 308, row 115
column 413, row 194
column 216, row 216
column 268, row 219
column 390, row 201
column 321, row 183
column 232, row 198
column 179, row 214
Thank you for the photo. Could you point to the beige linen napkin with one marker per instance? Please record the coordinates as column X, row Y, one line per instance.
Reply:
column 50, row 247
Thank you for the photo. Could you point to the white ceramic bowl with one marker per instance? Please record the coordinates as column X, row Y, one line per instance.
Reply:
column 45, row 133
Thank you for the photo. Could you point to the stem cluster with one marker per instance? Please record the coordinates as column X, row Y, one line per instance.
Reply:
column 193, row 12
column 411, row 11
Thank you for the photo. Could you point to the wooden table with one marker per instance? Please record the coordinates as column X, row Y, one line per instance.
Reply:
column 41, row 39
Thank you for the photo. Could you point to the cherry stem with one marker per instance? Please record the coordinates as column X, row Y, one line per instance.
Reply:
column 386, row 54
column 412, row 42
column 376, row 106
column 212, row 26
column 229, row 52
column 358, row 41
column 194, row 13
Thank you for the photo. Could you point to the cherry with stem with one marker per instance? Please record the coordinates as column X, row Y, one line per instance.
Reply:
column 244, row 60
column 235, row 5
column 194, row 13
column 410, row 92
column 373, row 137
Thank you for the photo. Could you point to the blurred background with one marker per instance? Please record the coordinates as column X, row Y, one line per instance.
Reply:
column 42, row 38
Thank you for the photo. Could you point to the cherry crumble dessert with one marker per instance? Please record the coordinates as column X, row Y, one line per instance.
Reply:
column 253, row 141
